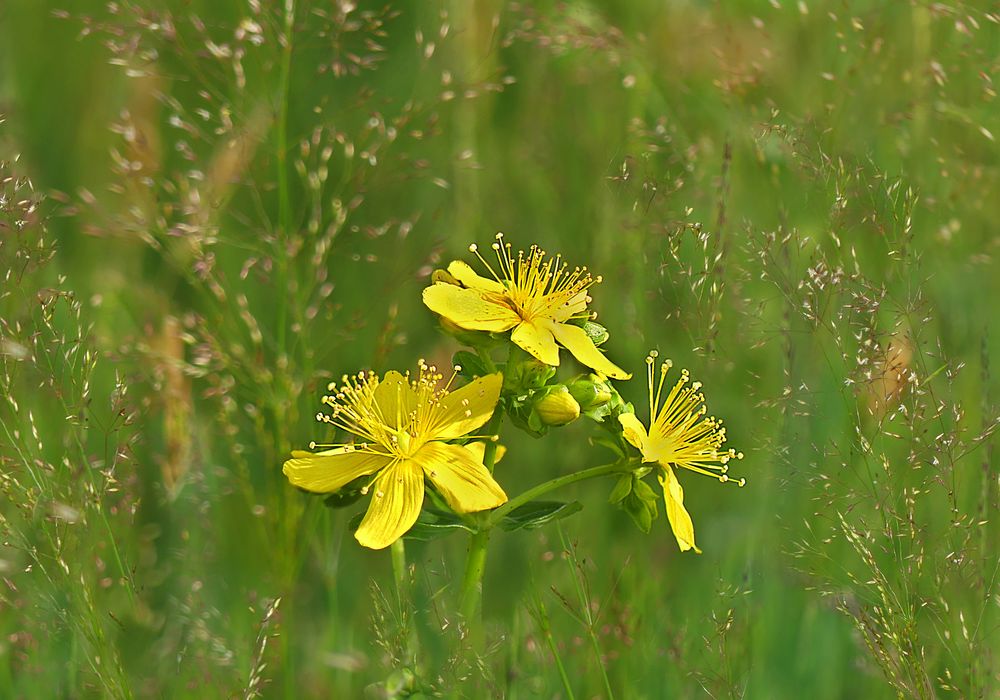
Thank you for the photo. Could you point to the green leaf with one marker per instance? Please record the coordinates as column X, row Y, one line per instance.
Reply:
column 537, row 513
column 622, row 489
column 612, row 443
column 535, row 423
column 523, row 415
column 431, row 524
column 644, row 493
column 472, row 364
column 640, row 513
column 641, row 503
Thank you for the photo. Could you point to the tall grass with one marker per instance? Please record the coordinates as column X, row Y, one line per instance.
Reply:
column 794, row 200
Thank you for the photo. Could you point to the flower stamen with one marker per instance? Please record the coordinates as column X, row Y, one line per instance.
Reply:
column 679, row 431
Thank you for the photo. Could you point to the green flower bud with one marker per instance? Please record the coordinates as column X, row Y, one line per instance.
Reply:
column 556, row 406
column 525, row 373
column 590, row 391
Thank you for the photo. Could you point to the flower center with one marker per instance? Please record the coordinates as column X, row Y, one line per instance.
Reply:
column 679, row 432
column 538, row 286
column 393, row 417
column 403, row 442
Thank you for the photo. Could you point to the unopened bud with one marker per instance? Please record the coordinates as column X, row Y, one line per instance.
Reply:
column 557, row 406
column 527, row 374
column 590, row 391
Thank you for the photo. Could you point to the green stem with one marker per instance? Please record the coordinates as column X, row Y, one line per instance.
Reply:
column 401, row 576
column 472, row 582
column 531, row 494
column 399, row 573
column 492, row 430
column 475, row 563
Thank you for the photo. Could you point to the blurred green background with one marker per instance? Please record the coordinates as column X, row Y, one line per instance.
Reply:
column 231, row 203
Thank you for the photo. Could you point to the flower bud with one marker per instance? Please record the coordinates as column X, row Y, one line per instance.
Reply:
column 525, row 374
column 557, row 406
column 590, row 391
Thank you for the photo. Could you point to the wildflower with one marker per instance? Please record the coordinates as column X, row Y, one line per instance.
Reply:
column 679, row 436
column 533, row 296
column 401, row 423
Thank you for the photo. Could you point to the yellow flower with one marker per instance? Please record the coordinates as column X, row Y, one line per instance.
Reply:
column 400, row 423
column 532, row 296
column 679, row 435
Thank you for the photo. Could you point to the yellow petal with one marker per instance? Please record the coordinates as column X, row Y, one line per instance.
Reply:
column 576, row 340
column 329, row 471
column 395, row 399
column 680, row 521
column 633, row 430
column 467, row 408
column 538, row 341
column 478, row 451
column 468, row 277
column 470, row 308
column 397, row 496
column 464, row 482
column 575, row 306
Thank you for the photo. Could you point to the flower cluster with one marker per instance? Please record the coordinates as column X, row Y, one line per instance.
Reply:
column 411, row 436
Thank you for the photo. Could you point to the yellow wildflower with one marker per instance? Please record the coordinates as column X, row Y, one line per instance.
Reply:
column 400, row 423
column 679, row 436
column 533, row 296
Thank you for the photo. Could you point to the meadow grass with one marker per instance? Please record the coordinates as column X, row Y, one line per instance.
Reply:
column 209, row 210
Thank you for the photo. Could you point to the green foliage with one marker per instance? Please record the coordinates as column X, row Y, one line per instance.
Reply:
column 535, row 514
column 636, row 498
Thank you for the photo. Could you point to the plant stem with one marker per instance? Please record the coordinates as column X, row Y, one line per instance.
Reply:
column 492, row 429
column 475, row 562
column 472, row 581
column 399, row 573
column 401, row 576
column 531, row 494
